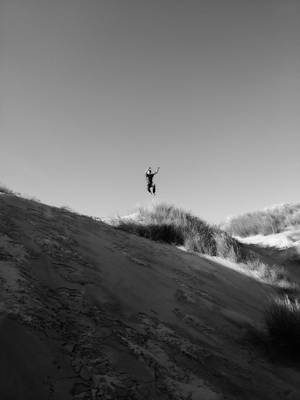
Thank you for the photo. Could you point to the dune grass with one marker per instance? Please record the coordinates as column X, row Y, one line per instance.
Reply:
column 166, row 223
column 167, row 233
column 274, row 275
column 169, row 224
column 282, row 318
column 265, row 222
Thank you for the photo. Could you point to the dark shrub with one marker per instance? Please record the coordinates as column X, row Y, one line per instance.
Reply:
column 167, row 233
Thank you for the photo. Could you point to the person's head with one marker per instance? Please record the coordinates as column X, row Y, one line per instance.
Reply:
column 149, row 169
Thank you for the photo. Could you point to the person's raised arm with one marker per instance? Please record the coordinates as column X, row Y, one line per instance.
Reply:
column 157, row 170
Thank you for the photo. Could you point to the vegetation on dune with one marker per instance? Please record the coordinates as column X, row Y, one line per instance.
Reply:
column 167, row 233
column 274, row 275
column 172, row 225
column 282, row 318
column 265, row 222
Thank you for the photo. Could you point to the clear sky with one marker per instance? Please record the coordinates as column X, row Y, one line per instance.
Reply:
column 92, row 92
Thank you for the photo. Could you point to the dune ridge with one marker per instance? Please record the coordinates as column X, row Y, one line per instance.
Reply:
column 91, row 312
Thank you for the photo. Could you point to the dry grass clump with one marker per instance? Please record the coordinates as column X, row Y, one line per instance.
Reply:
column 228, row 248
column 173, row 225
column 264, row 222
column 282, row 320
column 274, row 275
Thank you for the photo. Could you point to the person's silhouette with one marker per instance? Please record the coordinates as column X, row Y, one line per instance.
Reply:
column 149, row 178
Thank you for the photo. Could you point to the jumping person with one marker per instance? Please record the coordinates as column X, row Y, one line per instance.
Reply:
column 149, row 178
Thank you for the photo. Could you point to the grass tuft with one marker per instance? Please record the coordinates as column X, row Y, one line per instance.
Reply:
column 274, row 275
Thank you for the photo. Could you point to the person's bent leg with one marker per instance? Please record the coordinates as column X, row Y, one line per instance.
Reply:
column 149, row 188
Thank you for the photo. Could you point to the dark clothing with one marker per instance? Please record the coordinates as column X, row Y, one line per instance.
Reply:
column 150, row 184
column 149, row 177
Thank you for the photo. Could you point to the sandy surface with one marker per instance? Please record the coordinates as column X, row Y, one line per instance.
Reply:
column 88, row 312
column 283, row 240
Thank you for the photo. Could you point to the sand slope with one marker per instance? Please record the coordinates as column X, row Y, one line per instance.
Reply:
column 88, row 312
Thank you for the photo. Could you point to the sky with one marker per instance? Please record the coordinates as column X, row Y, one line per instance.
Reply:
column 92, row 92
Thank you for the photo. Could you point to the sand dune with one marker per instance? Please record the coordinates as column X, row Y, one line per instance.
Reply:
column 89, row 312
